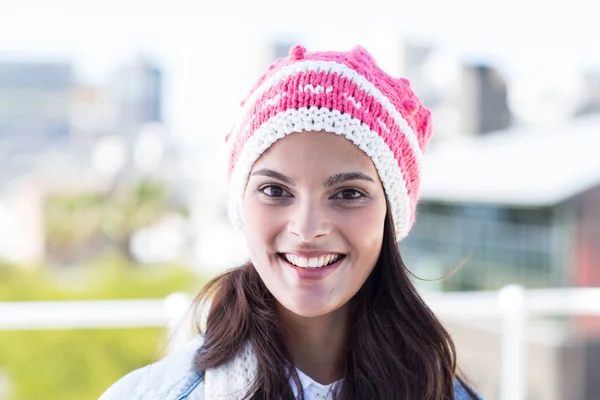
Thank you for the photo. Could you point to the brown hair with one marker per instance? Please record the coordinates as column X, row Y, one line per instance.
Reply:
column 396, row 349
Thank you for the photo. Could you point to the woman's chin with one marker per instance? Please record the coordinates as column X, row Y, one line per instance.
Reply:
column 309, row 313
column 308, row 309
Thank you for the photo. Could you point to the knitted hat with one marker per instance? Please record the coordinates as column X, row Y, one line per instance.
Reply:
column 344, row 93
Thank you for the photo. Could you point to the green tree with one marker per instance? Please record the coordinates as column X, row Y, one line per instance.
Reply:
column 83, row 224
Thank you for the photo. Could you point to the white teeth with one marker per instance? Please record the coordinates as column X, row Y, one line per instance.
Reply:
column 302, row 262
column 313, row 262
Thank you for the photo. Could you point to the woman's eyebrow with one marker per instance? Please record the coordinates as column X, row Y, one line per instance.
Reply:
column 347, row 176
column 273, row 174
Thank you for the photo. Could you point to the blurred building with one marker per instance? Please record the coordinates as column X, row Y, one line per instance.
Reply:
column 92, row 115
column 136, row 92
column 281, row 49
column 591, row 104
column 525, row 202
column 35, row 102
column 134, row 102
column 483, row 100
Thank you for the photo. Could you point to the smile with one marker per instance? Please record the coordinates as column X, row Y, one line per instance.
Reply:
column 312, row 262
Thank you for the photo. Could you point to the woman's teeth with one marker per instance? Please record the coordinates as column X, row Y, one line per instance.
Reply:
column 313, row 262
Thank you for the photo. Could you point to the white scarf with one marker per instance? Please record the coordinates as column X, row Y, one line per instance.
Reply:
column 232, row 380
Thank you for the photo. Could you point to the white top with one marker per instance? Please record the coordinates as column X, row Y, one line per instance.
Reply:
column 313, row 390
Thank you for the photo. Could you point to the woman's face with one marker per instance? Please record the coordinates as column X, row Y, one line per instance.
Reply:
column 314, row 215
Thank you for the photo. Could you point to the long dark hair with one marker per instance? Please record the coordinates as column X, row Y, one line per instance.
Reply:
column 396, row 349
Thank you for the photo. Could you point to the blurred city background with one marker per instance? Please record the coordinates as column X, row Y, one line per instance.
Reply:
column 113, row 170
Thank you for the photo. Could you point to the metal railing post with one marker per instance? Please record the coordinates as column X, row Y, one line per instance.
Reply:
column 513, row 368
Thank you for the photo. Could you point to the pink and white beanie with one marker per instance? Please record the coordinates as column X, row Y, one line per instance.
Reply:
column 344, row 93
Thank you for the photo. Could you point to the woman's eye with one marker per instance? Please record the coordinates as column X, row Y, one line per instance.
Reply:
column 274, row 191
column 349, row 194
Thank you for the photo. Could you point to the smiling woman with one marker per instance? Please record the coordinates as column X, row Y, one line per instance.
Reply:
column 324, row 180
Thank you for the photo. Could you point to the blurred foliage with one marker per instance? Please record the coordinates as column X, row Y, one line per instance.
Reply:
column 78, row 225
column 73, row 365
column 81, row 364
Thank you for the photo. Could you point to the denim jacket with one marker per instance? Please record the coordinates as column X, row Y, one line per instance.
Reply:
column 174, row 378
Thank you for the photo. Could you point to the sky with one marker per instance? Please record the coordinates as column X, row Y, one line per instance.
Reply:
column 100, row 31
column 205, row 45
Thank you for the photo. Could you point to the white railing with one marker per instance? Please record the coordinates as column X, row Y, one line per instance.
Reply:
column 172, row 313
column 513, row 305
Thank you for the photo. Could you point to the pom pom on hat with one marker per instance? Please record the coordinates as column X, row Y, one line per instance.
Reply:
column 297, row 52
column 411, row 107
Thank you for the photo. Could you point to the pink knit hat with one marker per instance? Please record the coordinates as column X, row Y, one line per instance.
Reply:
column 345, row 93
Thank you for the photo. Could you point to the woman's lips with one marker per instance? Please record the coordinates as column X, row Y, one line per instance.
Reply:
column 313, row 272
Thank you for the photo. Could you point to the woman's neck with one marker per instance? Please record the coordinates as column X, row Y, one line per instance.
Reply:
column 317, row 344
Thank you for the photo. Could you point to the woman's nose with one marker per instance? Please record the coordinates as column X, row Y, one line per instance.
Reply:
column 308, row 220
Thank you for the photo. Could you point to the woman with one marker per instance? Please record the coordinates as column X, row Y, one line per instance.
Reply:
column 324, row 177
